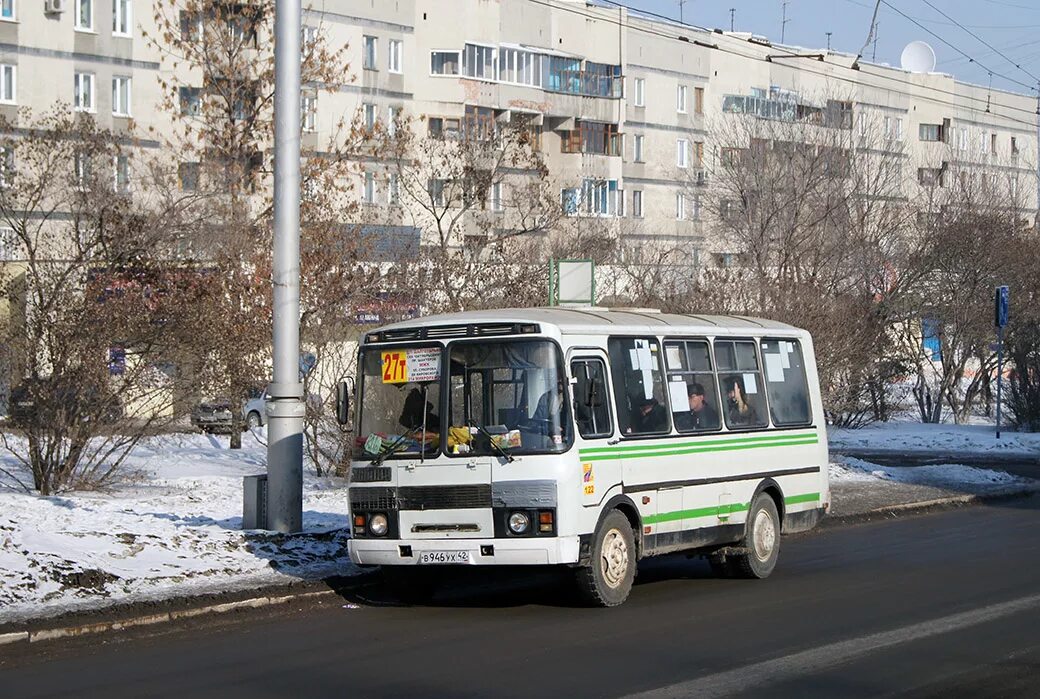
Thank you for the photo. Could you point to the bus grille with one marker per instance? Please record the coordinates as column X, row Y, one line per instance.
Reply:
column 372, row 499
column 371, row 474
column 453, row 497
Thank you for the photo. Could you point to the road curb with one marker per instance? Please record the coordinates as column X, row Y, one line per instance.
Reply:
column 49, row 634
column 268, row 600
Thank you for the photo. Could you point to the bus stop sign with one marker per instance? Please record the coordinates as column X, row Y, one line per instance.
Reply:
column 1001, row 306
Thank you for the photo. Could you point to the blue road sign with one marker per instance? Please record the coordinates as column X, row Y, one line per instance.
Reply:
column 1001, row 301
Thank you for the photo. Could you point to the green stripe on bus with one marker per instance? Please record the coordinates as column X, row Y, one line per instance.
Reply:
column 797, row 499
column 678, row 451
column 721, row 510
column 673, row 445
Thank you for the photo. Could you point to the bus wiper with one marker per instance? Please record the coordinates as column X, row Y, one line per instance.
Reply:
column 491, row 441
column 389, row 451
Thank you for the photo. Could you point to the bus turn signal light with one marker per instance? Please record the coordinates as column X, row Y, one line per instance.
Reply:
column 545, row 521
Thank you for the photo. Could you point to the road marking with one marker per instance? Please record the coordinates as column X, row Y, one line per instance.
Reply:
column 816, row 659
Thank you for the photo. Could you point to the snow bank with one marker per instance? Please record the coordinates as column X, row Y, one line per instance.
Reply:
column 939, row 439
column 173, row 529
column 949, row 476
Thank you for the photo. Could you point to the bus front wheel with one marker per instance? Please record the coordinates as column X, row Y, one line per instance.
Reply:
column 761, row 542
column 607, row 579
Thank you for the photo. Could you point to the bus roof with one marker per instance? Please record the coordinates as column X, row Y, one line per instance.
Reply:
column 599, row 320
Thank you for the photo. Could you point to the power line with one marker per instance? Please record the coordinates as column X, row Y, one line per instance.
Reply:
column 807, row 69
column 892, row 7
column 980, row 39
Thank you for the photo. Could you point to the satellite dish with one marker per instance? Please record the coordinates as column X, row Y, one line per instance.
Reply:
column 918, row 57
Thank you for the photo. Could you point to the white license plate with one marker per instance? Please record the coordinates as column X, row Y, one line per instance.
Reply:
column 426, row 557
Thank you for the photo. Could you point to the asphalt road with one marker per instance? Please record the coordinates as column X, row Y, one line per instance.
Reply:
column 945, row 604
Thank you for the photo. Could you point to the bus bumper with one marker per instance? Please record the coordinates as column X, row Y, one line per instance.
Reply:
column 479, row 552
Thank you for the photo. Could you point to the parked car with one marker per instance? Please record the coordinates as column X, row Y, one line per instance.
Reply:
column 47, row 399
column 215, row 415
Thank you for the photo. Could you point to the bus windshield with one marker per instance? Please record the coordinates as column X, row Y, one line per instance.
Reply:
column 399, row 402
column 507, row 397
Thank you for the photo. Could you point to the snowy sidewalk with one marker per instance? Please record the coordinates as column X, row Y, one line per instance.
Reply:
column 172, row 530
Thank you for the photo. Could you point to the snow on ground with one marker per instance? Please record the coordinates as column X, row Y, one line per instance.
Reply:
column 953, row 476
column 171, row 530
column 945, row 439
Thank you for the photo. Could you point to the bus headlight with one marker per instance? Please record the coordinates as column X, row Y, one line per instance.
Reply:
column 378, row 525
column 519, row 522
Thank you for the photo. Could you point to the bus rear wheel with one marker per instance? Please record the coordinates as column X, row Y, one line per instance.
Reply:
column 761, row 541
column 607, row 579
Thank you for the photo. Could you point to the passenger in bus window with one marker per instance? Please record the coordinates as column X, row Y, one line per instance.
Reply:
column 649, row 416
column 412, row 413
column 738, row 411
column 701, row 415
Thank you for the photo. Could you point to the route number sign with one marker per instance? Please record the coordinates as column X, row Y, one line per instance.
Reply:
column 411, row 365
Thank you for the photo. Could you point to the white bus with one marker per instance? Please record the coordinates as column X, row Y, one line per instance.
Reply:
column 583, row 437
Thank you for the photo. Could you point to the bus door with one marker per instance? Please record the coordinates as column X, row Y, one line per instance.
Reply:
column 594, row 421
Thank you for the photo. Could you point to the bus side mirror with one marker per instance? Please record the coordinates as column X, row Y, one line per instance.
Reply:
column 343, row 402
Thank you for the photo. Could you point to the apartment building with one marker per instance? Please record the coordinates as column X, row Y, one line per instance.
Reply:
column 623, row 105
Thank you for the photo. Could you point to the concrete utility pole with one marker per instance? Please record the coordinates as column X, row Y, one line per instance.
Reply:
column 285, row 406
column 1036, row 217
column 732, row 12
column 681, row 3
column 783, row 22
column 828, row 40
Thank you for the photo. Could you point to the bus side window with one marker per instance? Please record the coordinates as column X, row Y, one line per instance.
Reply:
column 591, row 401
column 740, row 382
column 638, row 385
column 786, row 384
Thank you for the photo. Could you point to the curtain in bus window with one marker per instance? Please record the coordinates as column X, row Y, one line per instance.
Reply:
column 785, row 382
column 740, row 384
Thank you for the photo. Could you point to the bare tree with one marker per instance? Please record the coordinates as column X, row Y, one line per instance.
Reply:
column 96, row 310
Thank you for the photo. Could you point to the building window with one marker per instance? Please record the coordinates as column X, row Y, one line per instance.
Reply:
column 370, row 188
column 638, row 155
column 698, row 154
column 7, row 84
column 370, row 116
column 7, row 9
column 308, row 112
column 695, row 214
column 496, row 197
column 637, row 203
column 191, row 101
column 593, row 137
column 479, row 123
column 570, row 198
column 929, row 132
column 441, row 127
column 84, row 97
column 8, row 242
column 1014, row 145
column 85, row 15
column 479, row 62
column 6, row 166
column 680, row 206
column 121, row 168
column 680, row 99
column 188, row 176
column 121, row 17
column 81, row 165
column 445, row 62
column 930, row 176
column 371, row 47
column 435, row 187
column 682, row 148
column 121, row 96
column 393, row 190
column 993, row 144
column 698, row 100
column 962, row 139
column 395, row 55
column 308, row 40
column 640, row 90
column 393, row 114
column 521, row 67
